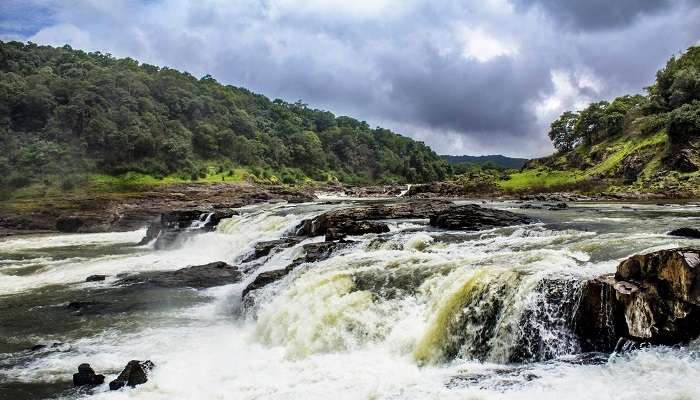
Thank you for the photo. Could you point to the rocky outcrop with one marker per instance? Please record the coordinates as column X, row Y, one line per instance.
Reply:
column 313, row 252
column 174, row 223
column 686, row 232
column 349, row 217
column 265, row 248
column 652, row 297
column 344, row 229
column 95, row 278
column 86, row 376
column 135, row 373
column 198, row 277
column 473, row 217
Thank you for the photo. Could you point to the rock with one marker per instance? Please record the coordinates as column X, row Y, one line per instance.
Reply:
column 135, row 373
column 473, row 217
column 530, row 207
column 69, row 224
column 686, row 232
column 652, row 297
column 174, row 223
column 682, row 160
column 264, row 248
column 313, row 252
column 558, row 206
column 348, row 218
column 95, row 278
column 355, row 228
column 265, row 278
column 198, row 276
column 86, row 376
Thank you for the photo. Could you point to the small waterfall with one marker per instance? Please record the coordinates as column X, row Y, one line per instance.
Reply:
column 202, row 222
column 403, row 193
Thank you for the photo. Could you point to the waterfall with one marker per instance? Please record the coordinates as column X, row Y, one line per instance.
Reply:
column 404, row 192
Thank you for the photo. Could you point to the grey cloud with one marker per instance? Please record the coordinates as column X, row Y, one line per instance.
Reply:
column 596, row 14
column 401, row 64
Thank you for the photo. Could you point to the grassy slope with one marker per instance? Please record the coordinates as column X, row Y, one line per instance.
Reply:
column 615, row 151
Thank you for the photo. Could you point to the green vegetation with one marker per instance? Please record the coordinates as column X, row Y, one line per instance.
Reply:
column 640, row 143
column 71, row 118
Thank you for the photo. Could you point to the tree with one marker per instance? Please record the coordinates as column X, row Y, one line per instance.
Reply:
column 561, row 131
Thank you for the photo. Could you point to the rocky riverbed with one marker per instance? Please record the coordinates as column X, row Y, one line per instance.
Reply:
column 440, row 299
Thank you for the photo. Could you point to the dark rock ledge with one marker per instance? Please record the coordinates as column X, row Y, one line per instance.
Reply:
column 653, row 298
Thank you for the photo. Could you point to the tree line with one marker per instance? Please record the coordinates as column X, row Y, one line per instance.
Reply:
column 672, row 102
column 65, row 111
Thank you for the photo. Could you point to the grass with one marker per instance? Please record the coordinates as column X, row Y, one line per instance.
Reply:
column 544, row 178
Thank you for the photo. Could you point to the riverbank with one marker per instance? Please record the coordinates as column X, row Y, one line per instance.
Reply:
column 129, row 210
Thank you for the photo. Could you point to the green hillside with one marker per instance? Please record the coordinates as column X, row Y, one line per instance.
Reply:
column 642, row 143
column 70, row 118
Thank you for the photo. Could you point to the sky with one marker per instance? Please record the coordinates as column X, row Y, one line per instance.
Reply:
column 466, row 77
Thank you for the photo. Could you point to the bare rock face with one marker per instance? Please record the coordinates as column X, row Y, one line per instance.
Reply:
column 135, row 373
column 473, row 217
column 652, row 297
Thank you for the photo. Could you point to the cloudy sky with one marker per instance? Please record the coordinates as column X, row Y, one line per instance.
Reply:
column 466, row 77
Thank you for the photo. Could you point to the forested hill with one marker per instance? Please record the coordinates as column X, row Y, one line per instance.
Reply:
column 496, row 160
column 642, row 143
column 67, row 113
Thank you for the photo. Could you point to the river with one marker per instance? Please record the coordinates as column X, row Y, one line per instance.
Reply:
column 416, row 313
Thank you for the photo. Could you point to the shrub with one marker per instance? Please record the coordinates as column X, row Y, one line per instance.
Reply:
column 684, row 122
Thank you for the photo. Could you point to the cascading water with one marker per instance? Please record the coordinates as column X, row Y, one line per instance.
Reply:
column 412, row 314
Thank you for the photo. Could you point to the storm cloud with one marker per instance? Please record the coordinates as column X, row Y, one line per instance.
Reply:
column 466, row 77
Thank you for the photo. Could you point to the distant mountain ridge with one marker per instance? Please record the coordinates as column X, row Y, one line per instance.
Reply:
column 495, row 159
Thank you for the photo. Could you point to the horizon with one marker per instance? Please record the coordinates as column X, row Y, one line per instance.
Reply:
column 461, row 79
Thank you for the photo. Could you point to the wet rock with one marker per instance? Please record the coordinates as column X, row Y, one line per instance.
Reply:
column 349, row 217
column 264, row 248
column 95, row 278
column 599, row 320
column 69, row 224
column 652, row 297
column 266, row 278
column 355, row 228
column 686, row 232
column 313, row 252
column 135, row 373
column 558, row 206
column 86, row 376
column 174, row 223
column 199, row 277
column 530, row 207
column 473, row 217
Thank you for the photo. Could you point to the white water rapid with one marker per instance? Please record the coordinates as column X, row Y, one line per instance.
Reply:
column 416, row 313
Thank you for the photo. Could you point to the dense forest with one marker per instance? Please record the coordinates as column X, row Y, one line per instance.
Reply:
column 66, row 113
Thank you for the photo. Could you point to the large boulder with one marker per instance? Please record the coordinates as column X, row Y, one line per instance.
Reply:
column 172, row 224
column 347, row 218
column 473, row 217
column 198, row 276
column 135, row 373
column 686, row 232
column 341, row 230
column 265, row 248
column 86, row 376
column 652, row 297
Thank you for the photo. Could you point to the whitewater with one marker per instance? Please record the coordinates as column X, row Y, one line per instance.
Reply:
column 415, row 313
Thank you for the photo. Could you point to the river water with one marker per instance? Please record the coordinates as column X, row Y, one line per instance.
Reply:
column 416, row 313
